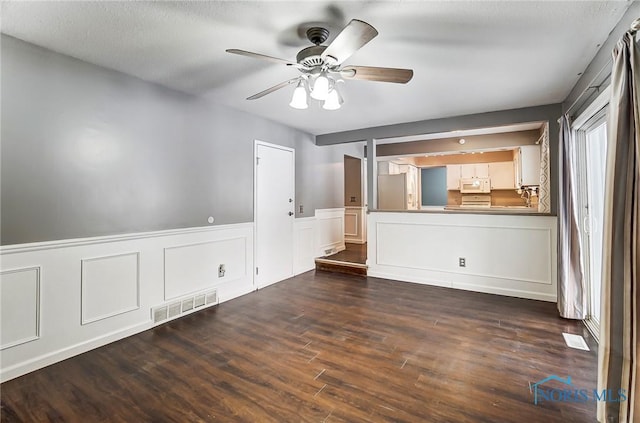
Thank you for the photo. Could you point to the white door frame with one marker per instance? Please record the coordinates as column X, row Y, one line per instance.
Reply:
column 255, row 199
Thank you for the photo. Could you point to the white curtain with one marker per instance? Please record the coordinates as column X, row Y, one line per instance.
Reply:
column 572, row 299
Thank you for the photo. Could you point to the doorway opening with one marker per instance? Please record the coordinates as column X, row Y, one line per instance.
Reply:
column 353, row 258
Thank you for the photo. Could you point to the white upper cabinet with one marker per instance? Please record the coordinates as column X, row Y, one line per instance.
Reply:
column 527, row 165
column 482, row 170
column 502, row 175
column 453, row 177
column 474, row 170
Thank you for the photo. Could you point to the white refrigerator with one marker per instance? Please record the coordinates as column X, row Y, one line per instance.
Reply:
column 392, row 192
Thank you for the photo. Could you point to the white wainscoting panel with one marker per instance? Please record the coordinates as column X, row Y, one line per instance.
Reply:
column 304, row 244
column 511, row 255
column 19, row 306
column 109, row 286
column 111, row 282
column 330, row 230
column 355, row 227
column 194, row 267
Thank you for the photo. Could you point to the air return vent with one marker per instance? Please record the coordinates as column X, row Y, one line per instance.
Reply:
column 159, row 314
column 187, row 304
column 211, row 297
column 184, row 306
column 199, row 300
column 174, row 309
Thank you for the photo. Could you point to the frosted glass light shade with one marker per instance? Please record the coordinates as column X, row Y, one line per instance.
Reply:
column 333, row 101
column 299, row 98
column 320, row 88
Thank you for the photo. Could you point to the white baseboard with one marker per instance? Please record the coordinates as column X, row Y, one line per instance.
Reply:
column 35, row 363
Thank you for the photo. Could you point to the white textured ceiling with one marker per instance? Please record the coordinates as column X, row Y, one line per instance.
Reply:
column 468, row 57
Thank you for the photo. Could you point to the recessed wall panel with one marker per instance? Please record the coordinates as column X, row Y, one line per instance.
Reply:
column 19, row 306
column 110, row 286
column 194, row 267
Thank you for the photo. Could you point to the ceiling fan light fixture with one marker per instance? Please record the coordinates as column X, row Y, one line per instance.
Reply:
column 320, row 87
column 299, row 98
column 322, row 66
column 334, row 100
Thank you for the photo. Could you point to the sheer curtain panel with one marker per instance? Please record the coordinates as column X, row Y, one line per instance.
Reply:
column 572, row 300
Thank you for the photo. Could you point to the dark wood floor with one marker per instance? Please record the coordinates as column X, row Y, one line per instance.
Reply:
column 323, row 348
column 354, row 253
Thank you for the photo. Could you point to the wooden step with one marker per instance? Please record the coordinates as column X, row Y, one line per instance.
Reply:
column 336, row 266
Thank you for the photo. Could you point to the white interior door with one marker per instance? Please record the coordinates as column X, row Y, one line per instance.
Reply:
column 274, row 213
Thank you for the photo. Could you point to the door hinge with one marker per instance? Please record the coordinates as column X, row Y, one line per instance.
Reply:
column 257, row 161
column 256, row 270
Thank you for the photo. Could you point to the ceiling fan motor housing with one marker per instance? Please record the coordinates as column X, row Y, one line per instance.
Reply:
column 310, row 56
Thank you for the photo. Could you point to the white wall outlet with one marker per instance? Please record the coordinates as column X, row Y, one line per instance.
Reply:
column 221, row 271
column 210, row 219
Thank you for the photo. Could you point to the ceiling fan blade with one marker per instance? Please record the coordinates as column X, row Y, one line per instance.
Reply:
column 264, row 57
column 355, row 35
column 272, row 89
column 372, row 73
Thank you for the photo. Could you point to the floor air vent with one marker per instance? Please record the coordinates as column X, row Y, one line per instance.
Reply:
column 184, row 306
column 575, row 341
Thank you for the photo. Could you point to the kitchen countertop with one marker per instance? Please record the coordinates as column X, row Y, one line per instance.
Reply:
column 505, row 210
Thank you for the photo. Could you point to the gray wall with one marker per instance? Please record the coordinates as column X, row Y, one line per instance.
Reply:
column 88, row 151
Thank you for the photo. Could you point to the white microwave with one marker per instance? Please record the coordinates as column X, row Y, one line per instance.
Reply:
column 475, row 185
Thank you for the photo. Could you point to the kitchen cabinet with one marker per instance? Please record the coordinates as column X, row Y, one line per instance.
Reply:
column 453, row 177
column 388, row 168
column 527, row 165
column 502, row 175
column 474, row 170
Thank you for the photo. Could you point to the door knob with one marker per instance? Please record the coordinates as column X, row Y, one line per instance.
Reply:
column 290, row 213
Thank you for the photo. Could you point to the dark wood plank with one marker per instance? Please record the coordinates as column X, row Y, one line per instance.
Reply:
column 323, row 347
column 353, row 253
column 341, row 267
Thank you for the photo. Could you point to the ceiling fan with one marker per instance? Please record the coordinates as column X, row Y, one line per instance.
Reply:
column 321, row 67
